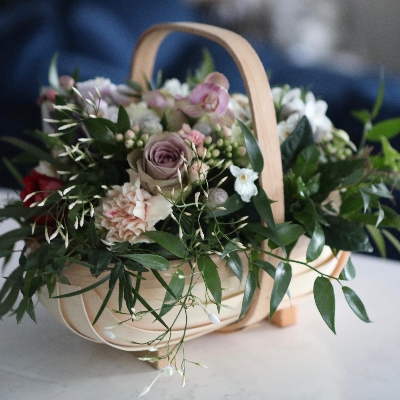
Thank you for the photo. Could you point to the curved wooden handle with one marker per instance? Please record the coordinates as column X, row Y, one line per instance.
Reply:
column 262, row 109
column 257, row 88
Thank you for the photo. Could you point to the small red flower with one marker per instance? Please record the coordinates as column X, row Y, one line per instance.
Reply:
column 44, row 185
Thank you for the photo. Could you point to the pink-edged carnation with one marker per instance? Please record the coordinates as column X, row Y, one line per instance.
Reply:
column 210, row 98
column 128, row 212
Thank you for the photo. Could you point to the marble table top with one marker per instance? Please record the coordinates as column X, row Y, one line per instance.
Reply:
column 306, row 361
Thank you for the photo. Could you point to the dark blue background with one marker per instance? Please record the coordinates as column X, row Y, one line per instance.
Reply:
column 99, row 37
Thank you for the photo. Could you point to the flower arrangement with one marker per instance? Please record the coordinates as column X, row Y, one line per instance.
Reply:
column 129, row 178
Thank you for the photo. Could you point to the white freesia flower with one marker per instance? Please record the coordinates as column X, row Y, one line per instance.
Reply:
column 244, row 184
column 285, row 128
column 315, row 111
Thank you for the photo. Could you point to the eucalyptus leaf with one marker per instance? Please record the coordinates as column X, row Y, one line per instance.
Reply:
column 324, row 297
column 283, row 276
column 169, row 242
column 355, row 304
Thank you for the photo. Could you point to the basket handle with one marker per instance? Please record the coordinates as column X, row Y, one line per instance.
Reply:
column 264, row 122
column 257, row 88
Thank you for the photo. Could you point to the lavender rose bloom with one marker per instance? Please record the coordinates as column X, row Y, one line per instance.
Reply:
column 160, row 162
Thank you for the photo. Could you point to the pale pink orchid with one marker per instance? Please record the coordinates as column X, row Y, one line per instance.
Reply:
column 212, row 98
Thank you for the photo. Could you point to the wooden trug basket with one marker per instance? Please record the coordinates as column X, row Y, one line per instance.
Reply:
column 78, row 312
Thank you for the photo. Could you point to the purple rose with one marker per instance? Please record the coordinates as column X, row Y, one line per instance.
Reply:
column 160, row 162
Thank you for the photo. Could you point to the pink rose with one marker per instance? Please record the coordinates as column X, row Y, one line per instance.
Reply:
column 160, row 162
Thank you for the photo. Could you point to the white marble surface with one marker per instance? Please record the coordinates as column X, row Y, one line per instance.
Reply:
column 306, row 361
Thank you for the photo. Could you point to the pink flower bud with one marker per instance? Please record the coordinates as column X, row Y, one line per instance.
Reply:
column 67, row 82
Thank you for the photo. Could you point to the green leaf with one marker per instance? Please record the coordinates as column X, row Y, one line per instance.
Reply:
column 91, row 231
column 262, row 204
column 84, row 290
column 348, row 272
column 13, row 171
column 362, row 115
column 378, row 238
column 151, row 261
column 366, row 199
column 324, row 297
column 235, row 263
column 267, row 267
column 379, row 99
column 346, row 235
column 381, row 215
column 253, row 149
column 38, row 153
column 289, row 232
column 135, row 291
column 307, row 162
column 316, row 244
column 98, row 129
column 299, row 139
column 123, row 123
column 163, row 283
column 392, row 239
column 233, row 204
column 169, row 242
column 249, row 290
column 283, row 276
column 176, row 286
column 211, row 278
column 229, row 248
column 355, row 304
column 53, row 73
column 388, row 129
